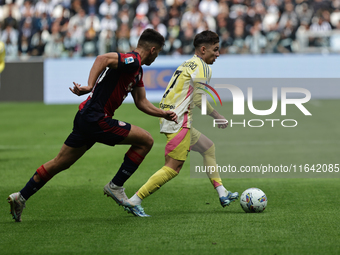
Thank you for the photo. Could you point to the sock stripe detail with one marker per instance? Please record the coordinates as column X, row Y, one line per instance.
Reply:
column 44, row 175
column 134, row 156
column 216, row 183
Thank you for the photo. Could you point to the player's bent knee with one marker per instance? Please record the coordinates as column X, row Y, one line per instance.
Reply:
column 140, row 137
column 178, row 169
column 148, row 141
column 174, row 164
column 146, row 146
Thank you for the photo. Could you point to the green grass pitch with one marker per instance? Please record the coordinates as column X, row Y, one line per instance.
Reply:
column 70, row 215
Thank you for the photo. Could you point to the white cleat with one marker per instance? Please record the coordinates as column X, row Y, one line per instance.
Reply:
column 17, row 203
column 118, row 194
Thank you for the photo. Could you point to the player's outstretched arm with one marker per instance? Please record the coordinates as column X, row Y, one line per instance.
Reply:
column 146, row 106
column 99, row 65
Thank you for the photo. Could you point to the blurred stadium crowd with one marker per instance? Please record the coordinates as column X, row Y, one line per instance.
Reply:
column 77, row 28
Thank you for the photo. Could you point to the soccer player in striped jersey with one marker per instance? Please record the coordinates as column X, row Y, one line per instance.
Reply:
column 111, row 78
column 180, row 96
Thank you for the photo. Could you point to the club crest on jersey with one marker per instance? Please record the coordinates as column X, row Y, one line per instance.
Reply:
column 129, row 60
column 121, row 123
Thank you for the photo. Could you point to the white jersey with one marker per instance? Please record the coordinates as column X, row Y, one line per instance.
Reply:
column 179, row 93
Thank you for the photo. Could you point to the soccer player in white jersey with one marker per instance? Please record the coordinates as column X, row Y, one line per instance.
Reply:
column 180, row 96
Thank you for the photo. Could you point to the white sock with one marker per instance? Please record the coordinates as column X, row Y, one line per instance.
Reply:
column 136, row 200
column 222, row 191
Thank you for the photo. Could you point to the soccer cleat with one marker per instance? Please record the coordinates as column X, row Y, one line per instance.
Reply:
column 225, row 201
column 118, row 195
column 17, row 203
column 136, row 210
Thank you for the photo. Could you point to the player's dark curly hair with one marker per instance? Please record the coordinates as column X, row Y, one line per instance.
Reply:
column 151, row 36
column 206, row 37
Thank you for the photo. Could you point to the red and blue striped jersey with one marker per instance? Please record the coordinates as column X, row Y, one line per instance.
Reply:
column 112, row 87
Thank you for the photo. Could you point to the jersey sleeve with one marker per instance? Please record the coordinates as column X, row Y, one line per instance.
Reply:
column 128, row 63
column 140, row 83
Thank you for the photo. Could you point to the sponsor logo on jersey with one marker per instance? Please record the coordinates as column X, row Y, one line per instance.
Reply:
column 121, row 123
column 167, row 106
column 129, row 60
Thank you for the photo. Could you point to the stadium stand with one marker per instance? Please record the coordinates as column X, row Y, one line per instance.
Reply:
column 80, row 28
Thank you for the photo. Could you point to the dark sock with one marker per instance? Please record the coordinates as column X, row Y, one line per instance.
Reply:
column 128, row 167
column 31, row 187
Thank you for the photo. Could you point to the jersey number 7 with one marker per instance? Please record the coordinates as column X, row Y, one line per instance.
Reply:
column 176, row 75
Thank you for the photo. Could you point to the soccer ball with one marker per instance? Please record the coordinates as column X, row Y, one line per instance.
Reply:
column 253, row 200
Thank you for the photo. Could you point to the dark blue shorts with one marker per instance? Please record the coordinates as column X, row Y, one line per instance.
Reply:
column 107, row 131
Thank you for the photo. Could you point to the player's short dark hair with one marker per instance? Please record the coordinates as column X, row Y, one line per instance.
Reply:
column 206, row 37
column 151, row 37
